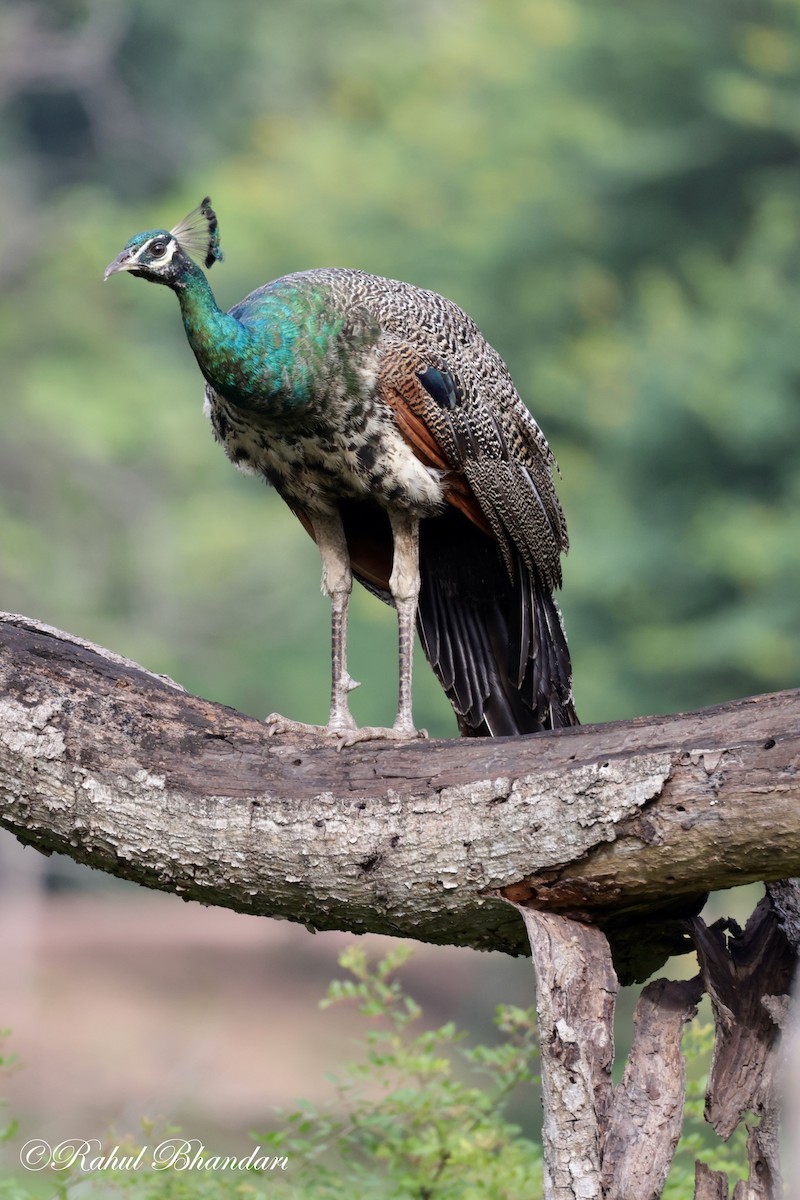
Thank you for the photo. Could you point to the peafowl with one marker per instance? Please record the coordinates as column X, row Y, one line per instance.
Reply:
column 394, row 432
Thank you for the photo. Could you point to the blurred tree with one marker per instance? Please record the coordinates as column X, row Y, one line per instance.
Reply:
column 613, row 192
column 120, row 93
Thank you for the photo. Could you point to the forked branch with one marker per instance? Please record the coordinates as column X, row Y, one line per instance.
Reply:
column 617, row 1143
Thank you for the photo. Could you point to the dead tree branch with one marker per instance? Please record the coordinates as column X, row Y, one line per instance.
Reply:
column 584, row 831
column 122, row 769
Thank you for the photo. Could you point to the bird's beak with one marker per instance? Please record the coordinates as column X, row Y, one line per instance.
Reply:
column 123, row 262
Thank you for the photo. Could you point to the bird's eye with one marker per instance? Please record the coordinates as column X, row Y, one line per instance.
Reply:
column 158, row 248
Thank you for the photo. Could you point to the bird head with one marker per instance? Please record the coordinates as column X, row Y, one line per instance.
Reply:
column 165, row 255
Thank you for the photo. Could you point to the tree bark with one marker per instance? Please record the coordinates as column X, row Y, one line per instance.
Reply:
column 122, row 769
column 647, row 1111
column 604, row 1143
column 708, row 1184
column 576, row 991
column 748, row 975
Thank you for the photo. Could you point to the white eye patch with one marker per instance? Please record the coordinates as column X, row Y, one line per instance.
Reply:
column 152, row 245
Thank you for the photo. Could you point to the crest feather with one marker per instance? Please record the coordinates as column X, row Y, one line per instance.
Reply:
column 198, row 234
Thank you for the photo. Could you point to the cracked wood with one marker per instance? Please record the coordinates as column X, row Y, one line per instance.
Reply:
column 122, row 769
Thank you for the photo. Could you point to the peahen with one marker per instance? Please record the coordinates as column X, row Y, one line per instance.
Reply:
column 395, row 434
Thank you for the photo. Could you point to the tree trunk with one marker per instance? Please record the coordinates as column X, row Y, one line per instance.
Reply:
column 604, row 1143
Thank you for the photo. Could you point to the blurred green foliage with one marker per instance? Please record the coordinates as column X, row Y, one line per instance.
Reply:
column 612, row 191
column 423, row 1117
column 420, row 1116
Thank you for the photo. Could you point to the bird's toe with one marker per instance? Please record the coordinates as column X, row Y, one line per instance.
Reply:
column 277, row 724
column 380, row 733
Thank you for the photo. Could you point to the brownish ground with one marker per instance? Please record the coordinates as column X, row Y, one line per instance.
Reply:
column 127, row 1003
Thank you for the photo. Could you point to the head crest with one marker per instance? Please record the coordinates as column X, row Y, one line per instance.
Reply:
column 198, row 234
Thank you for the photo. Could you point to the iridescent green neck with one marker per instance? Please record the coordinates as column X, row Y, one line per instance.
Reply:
column 225, row 350
column 279, row 349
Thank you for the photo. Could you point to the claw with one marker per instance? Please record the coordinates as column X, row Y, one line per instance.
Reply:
column 276, row 724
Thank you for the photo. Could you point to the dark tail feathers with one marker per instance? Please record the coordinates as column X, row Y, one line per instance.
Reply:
column 497, row 644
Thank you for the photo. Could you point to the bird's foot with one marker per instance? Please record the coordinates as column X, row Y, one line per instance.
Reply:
column 340, row 725
column 345, row 730
column 380, row 733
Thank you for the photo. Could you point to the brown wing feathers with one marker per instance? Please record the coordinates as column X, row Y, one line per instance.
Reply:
column 405, row 393
column 490, row 628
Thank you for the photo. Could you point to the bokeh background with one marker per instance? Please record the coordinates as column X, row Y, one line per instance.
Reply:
column 611, row 190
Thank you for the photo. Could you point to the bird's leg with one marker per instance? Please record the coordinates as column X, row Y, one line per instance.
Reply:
column 337, row 584
column 404, row 585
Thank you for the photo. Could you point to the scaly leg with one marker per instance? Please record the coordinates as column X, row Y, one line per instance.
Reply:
column 337, row 584
column 404, row 584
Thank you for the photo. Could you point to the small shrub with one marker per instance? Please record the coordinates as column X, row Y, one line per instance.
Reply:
column 405, row 1125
